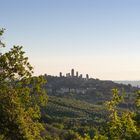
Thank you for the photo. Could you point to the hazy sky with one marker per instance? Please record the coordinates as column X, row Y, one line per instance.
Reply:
column 99, row 37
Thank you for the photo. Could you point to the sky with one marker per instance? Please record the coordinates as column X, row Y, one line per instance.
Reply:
column 98, row 37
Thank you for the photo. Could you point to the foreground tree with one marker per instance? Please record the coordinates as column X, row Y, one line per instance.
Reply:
column 120, row 125
column 21, row 96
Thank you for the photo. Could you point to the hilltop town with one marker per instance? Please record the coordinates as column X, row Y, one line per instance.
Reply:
column 73, row 75
column 83, row 88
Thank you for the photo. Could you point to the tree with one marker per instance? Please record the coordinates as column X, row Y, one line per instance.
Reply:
column 21, row 96
column 137, row 118
column 120, row 125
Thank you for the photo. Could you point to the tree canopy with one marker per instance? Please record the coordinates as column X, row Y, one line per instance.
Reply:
column 21, row 96
column 120, row 125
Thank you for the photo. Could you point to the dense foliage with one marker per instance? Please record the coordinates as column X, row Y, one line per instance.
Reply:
column 72, row 119
column 121, row 125
column 21, row 96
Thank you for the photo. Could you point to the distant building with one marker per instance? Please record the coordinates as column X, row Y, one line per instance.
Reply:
column 67, row 74
column 87, row 76
column 72, row 73
column 77, row 74
column 81, row 76
column 60, row 74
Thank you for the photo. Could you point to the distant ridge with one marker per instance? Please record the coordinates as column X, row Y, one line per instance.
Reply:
column 135, row 83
